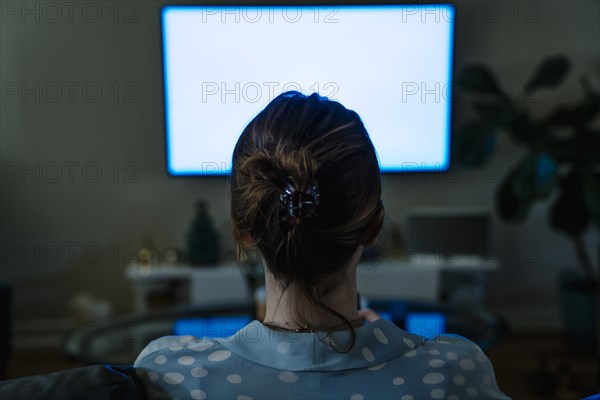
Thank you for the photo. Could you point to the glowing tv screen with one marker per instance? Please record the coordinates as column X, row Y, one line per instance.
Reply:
column 392, row 64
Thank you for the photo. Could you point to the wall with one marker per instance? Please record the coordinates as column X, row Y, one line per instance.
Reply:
column 66, row 229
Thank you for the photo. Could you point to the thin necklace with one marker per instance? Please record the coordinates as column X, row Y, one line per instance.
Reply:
column 307, row 328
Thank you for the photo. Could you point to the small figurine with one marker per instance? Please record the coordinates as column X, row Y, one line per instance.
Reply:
column 147, row 254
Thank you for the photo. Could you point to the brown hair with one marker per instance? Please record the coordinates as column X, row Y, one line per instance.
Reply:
column 305, row 138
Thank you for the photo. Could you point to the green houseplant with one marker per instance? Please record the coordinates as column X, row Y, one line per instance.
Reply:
column 562, row 155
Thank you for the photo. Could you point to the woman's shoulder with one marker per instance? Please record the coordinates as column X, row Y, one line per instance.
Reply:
column 180, row 349
column 171, row 366
column 453, row 347
column 455, row 353
column 461, row 366
column 447, row 347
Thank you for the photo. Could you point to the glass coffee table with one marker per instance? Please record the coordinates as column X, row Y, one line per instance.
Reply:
column 120, row 340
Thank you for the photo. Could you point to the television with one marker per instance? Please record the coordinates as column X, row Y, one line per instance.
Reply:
column 223, row 64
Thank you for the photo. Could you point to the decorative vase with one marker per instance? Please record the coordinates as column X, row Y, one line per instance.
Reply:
column 203, row 242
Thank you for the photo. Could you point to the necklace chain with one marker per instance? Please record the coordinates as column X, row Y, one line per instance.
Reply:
column 305, row 328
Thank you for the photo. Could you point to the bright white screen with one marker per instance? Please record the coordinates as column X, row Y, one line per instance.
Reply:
column 391, row 64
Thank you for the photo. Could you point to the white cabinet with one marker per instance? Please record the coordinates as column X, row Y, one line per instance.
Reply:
column 415, row 279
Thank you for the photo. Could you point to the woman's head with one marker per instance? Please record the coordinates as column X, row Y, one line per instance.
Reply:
column 317, row 146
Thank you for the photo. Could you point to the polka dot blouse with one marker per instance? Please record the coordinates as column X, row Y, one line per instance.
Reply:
column 257, row 362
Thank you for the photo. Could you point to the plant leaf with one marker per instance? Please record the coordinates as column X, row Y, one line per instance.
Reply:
column 569, row 213
column 591, row 187
column 473, row 144
column 549, row 73
column 509, row 205
column 544, row 178
column 534, row 177
column 531, row 179
column 496, row 112
column 523, row 130
column 578, row 115
column 479, row 79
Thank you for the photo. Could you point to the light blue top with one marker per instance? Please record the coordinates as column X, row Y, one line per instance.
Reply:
column 257, row 362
